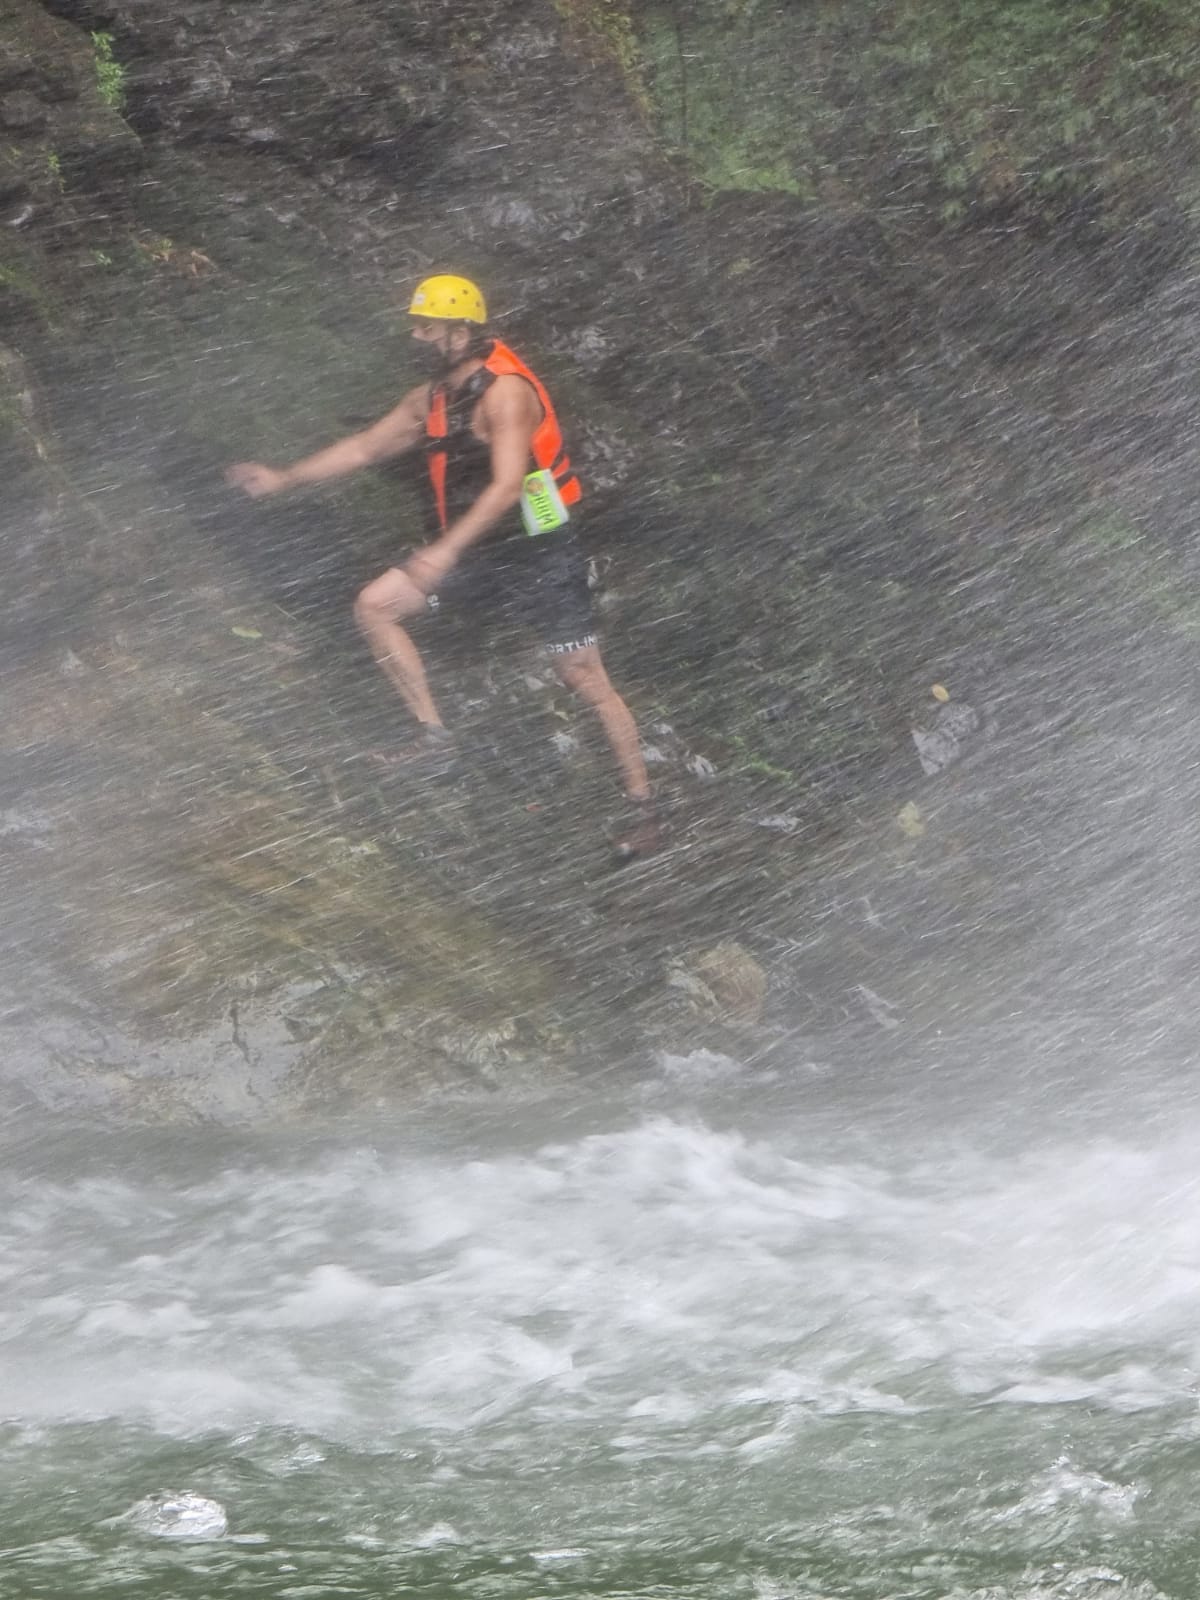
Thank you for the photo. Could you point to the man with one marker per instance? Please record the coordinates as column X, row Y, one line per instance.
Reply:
column 486, row 423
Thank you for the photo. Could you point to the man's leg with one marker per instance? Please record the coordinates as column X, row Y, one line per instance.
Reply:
column 378, row 610
column 558, row 604
column 584, row 674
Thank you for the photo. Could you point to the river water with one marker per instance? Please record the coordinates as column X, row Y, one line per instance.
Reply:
column 706, row 1333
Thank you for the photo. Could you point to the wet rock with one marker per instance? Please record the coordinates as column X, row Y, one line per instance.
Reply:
column 943, row 737
column 27, row 442
column 94, row 158
column 779, row 822
column 331, row 81
column 14, row 375
column 485, row 1050
column 22, row 112
column 427, row 1049
column 60, row 132
column 14, row 185
column 17, row 70
column 724, row 983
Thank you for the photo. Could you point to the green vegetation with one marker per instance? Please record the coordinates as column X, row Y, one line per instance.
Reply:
column 1130, row 570
column 751, row 761
column 110, row 74
column 609, row 26
column 949, row 102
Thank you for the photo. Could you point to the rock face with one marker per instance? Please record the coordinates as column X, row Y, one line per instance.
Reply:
column 58, row 121
column 839, row 444
column 325, row 81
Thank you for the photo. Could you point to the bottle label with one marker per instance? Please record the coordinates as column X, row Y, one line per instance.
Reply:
column 542, row 508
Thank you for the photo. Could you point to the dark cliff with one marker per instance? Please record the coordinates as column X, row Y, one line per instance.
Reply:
column 876, row 333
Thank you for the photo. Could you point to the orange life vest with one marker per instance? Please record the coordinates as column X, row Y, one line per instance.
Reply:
column 546, row 446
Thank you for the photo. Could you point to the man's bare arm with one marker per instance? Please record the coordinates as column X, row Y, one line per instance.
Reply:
column 401, row 429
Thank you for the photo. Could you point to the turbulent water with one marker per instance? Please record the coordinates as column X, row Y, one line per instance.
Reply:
column 700, row 1335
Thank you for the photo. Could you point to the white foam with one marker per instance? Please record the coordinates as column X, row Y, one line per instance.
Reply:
column 178, row 1516
column 440, row 1533
column 665, row 1274
column 1063, row 1486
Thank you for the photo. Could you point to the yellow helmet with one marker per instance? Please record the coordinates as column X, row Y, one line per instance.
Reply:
column 448, row 298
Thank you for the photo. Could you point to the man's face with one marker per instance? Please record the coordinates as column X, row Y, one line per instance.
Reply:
column 444, row 344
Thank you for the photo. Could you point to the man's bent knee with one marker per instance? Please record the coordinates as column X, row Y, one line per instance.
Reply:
column 388, row 598
column 585, row 675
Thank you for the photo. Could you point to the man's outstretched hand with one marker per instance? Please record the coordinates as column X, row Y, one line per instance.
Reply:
column 256, row 479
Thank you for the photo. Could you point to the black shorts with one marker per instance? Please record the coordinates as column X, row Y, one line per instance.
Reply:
column 537, row 584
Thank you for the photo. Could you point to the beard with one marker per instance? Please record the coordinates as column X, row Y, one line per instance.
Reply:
column 436, row 364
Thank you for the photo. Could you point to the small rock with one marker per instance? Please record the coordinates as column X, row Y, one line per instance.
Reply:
column 701, row 767
column 784, row 822
column 942, row 741
column 726, row 982
column 566, row 744
column 653, row 756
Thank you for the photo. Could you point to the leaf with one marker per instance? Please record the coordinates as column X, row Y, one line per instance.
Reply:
column 246, row 633
column 910, row 821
